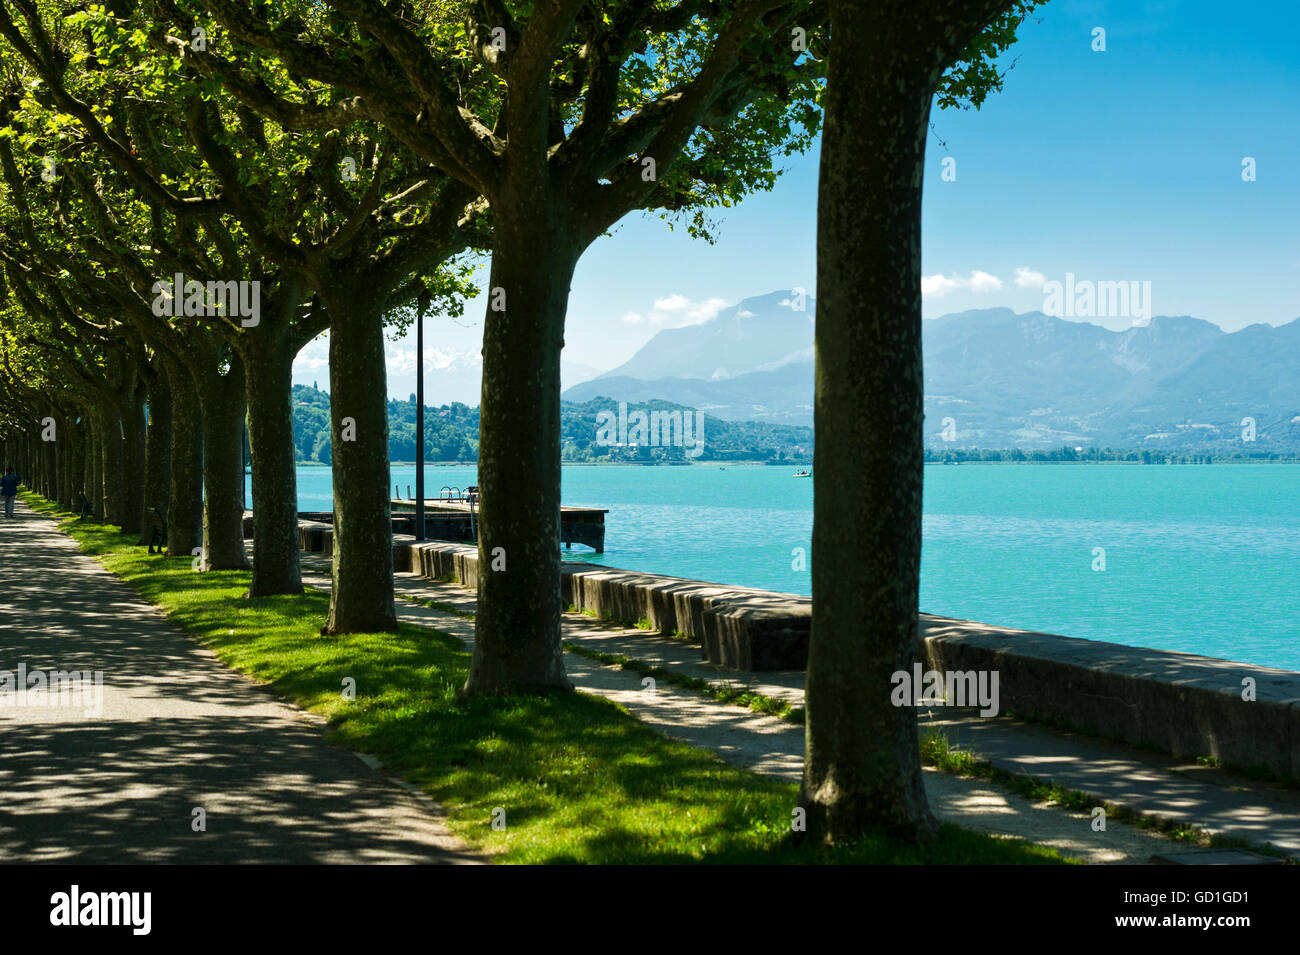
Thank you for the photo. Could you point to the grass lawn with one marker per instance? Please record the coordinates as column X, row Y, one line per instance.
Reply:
column 579, row 779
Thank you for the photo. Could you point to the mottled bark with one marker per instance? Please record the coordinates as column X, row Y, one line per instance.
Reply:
column 110, row 457
column 49, row 464
column 222, row 400
column 133, row 459
column 72, row 452
column 862, row 769
column 517, row 627
column 63, row 458
column 93, row 490
column 158, row 453
column 361, row 597
column 269, row 374
column 185, row 484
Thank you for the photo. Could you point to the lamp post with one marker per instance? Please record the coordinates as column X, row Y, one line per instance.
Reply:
column 421, row 303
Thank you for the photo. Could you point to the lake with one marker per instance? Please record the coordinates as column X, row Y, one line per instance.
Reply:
column 1199, row 558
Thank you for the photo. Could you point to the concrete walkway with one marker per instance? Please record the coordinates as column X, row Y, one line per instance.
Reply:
column 768, row 745
column 178, row 731
column 1145, row 781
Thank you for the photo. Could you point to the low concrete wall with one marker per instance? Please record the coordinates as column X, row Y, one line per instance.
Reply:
column 316, row 537
column 739, row 627
column 437, row 561
column 1183, row 704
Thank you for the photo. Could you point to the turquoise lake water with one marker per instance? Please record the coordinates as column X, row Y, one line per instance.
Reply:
column 1203, row 559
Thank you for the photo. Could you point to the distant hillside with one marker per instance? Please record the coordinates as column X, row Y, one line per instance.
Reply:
column 451, row 434
column 1004, row 380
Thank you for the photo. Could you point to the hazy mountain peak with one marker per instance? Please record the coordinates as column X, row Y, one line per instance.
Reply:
column 1007, row 379
column 757, row 332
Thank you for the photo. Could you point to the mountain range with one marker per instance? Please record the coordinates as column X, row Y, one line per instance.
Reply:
column 998, row 379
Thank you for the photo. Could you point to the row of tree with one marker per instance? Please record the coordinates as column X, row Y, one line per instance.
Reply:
column 346, row 156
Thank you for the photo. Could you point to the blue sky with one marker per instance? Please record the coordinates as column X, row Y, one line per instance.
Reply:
column 1123, row 165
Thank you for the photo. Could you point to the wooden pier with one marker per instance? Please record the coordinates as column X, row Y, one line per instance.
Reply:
column 448, row 521
column 456, row 520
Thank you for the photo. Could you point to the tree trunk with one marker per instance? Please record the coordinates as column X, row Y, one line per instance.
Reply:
column 517, row 625
column 50, row 460
column 361, row 597
column 110, row 456
column 94, row 464
column 222, row 400
column 269, row 373
column 133, row 460
column 862, row 768
column 185, row 485
column 158, row 452
column 72, row 460
column 66, row 455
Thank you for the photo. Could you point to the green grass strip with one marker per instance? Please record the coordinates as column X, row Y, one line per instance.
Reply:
column 579, row 778
column 935, row 748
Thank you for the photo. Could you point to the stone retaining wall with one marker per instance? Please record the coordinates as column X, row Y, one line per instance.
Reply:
column 1183, row 704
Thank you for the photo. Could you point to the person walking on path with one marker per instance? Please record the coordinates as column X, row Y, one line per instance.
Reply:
column 9, row 487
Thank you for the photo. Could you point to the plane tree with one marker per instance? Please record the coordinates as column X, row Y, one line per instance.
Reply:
column 888, row 60
column 33, row 400
column 564, row 116
column 264, row 205
column 93, row 280
column 393, row 240
column 51, row 285
column 102, row 369
column 90, row 237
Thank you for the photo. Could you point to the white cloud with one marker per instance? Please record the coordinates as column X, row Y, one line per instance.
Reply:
column 983, row 282
column 438, row 359
column 401, row 361
column 676, row 310
column 1028, row 278
column 313, row 356
column 939, row 285
column 672, row 303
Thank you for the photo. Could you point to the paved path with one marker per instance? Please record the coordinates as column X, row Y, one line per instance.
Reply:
column 1150, row 782
column 178, row 730
column 765, row 744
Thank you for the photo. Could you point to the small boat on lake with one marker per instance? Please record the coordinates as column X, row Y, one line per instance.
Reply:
column 803, row 473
